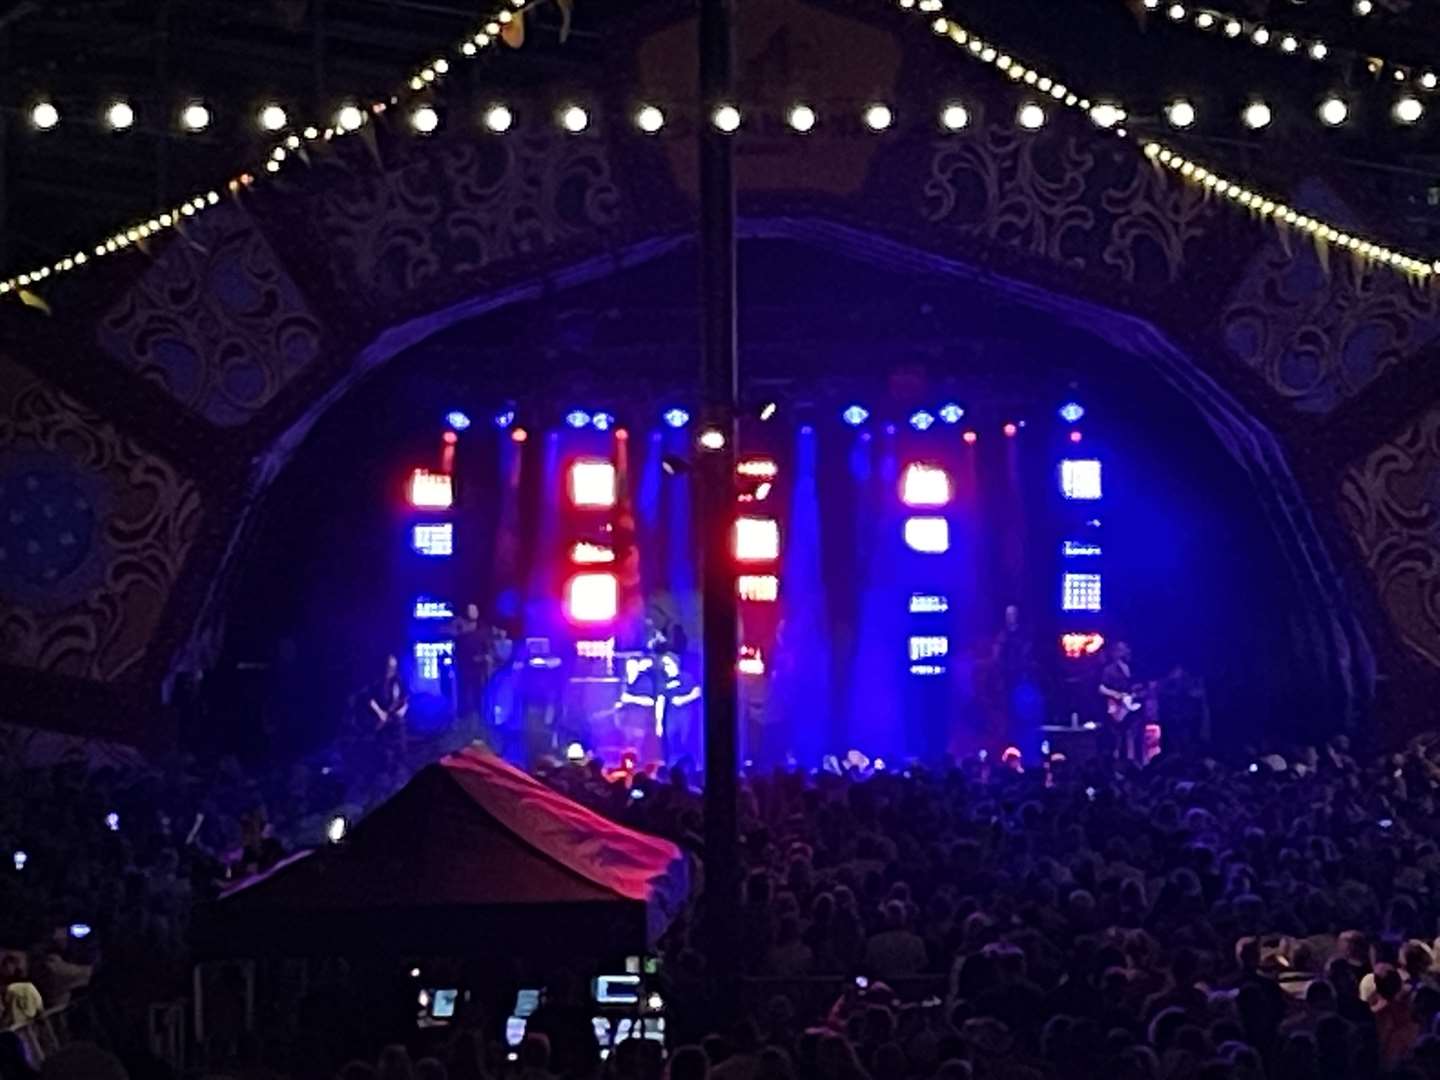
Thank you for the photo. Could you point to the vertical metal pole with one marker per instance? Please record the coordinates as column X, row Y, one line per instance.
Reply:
column 719, row 385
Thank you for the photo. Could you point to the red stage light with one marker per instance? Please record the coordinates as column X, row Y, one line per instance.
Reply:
column 585, row 553
column 1075, row 436
column 758, row 588
column 970, row 437
column 924, row 485
column 1010, row 430
column 431, row 490
column 1078, row 645
column 757, row 539
column 449, row 438
column 592, row 483
column 519, row 435
column 752, row 662
column 761, row 468
column 592, row 598
column 621, row 434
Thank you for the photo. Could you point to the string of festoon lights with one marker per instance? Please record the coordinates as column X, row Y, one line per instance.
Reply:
column 1272, row 38
column 291, row 142
column 1110, row 116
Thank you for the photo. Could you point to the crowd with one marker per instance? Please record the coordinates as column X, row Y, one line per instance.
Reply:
column 1273, row 917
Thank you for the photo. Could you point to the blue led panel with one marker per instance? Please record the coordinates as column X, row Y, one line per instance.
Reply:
column 1081, row 592
column 436, row 539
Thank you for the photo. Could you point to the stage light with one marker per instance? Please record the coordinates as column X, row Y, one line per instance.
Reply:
column 768, row 410
column 1408, row 110
column 924, row 485
column 498, row 119
column 928, row 604
column 649, row 119
column 195, row 117
column 928, row 646
column 79, row 930
column 119, row 115
column 757, row 539
column 574, row 119
column 592, row 483
column 1031, row 116
column 596, row 649
column 970, row 438
column 1072, row 412
column 349, row 117
column 431, row 490
column 602, row 421
column 1319, row 50
column 951, row 413
column 1257, row 115
column 433, row 609
column 424, row 119
column 855, row 415
column 1080, row 478
column 927, row 535
column 878, row 117
column 19, row 859
column 1176, row 12
column 1333, row 111
column 457, row 420
column 758, row 588
column 1180, row 113
column 1364, row 7
column 676, row 417
column 1010, row 430
column 761, row 468
column 592, row 598
column 112, row 821
column 431, row 656
column 927, row 669
column 1076, row 436
column 712, row 439
column 577, row 418
column 574, row 753
column 336, row 828
column 801, row 118
column 751, row 661
column 1106, row 114
column 1077, row 549
column 519, row 435
column 44, row 116
column 726, row 118
column 922, row 420
column 272, row 117
column 435, row 539
column 1260, row 36
column 954, row 117
column 585, row 553
column 1080, row 592
column 1289, row 43
column 1076, row 645
column 1429, row 80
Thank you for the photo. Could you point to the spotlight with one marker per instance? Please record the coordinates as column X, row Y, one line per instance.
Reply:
column 954, row 117
column 1176, row 12
column 951, row 413
column 1072, row 412
column 1364, row 7
column 726, row 118
column 1233, row 28
column 1261, row 36
column 1180, row 113
column 855, row 415
column 1408, row 110
column 676, row 417
column 424, row 119
column 519, row 435
column 195, row 117
column 801, row 118
column 457, row 420
column 272, row 117
column 349, row 117
column 1333, row 111
column 574, row 753
column 1010, row 430
column 1106, row 114
column 577, row 418
column 768, row 410
column 336, row 828
column 112, row 821
column 504, row 418
column 1289, row 43
column 44, row 115
column 574, row 119
column 649, row 119
column 1075, row 436
column 922, row 420
column 498, row 119
column 119, row 115
column 712, row 439
column 1031, row 116
column 602, row 421
column 878, row 117
column 970, row 437
column 1429, row 80
column 19, row 859
column 1256, row 115
column 1319, row 50
column 79, row 930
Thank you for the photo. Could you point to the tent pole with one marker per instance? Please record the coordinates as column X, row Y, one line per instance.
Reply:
column 719, row 386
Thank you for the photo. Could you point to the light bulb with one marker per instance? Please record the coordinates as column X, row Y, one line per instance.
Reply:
column 1256, row 115
column 954, row 117
column 425, row 119
column 801, row 118
column 726, row 118
column 195, row 116
column 1106, row 115
column 1233, row 28
column 498, row 119
column 1289, row 43
column 574, row 119
column 1261, row 36
column 1031, row 116
column 878, row 117
column 1333, row 111
column 1429, row 80
column 119, row 115
column 44, row 115
column 1364, row 7
column 1319, row 50
column 349, row 118
column 1408, row 110
column 649, row 119
column 272, row 117
column 1180, row 113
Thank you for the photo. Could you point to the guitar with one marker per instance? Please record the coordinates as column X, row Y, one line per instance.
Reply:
column 1120, row 706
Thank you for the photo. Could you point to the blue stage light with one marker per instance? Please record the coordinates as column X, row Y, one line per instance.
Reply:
column 951, row 413
column 602, row 421
column 922, row 420
column 855, row 415
column 1080, row 592
column 577, row 418
column 1072, row 412
column 504, row 418
column 434, row 539
column 457, row 420
column 676, row 417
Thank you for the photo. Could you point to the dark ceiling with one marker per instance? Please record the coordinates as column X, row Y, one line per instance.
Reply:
column 68, row 186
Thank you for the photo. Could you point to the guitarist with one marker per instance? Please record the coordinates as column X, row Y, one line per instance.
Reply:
column 389, row 703
column 1122, row 703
